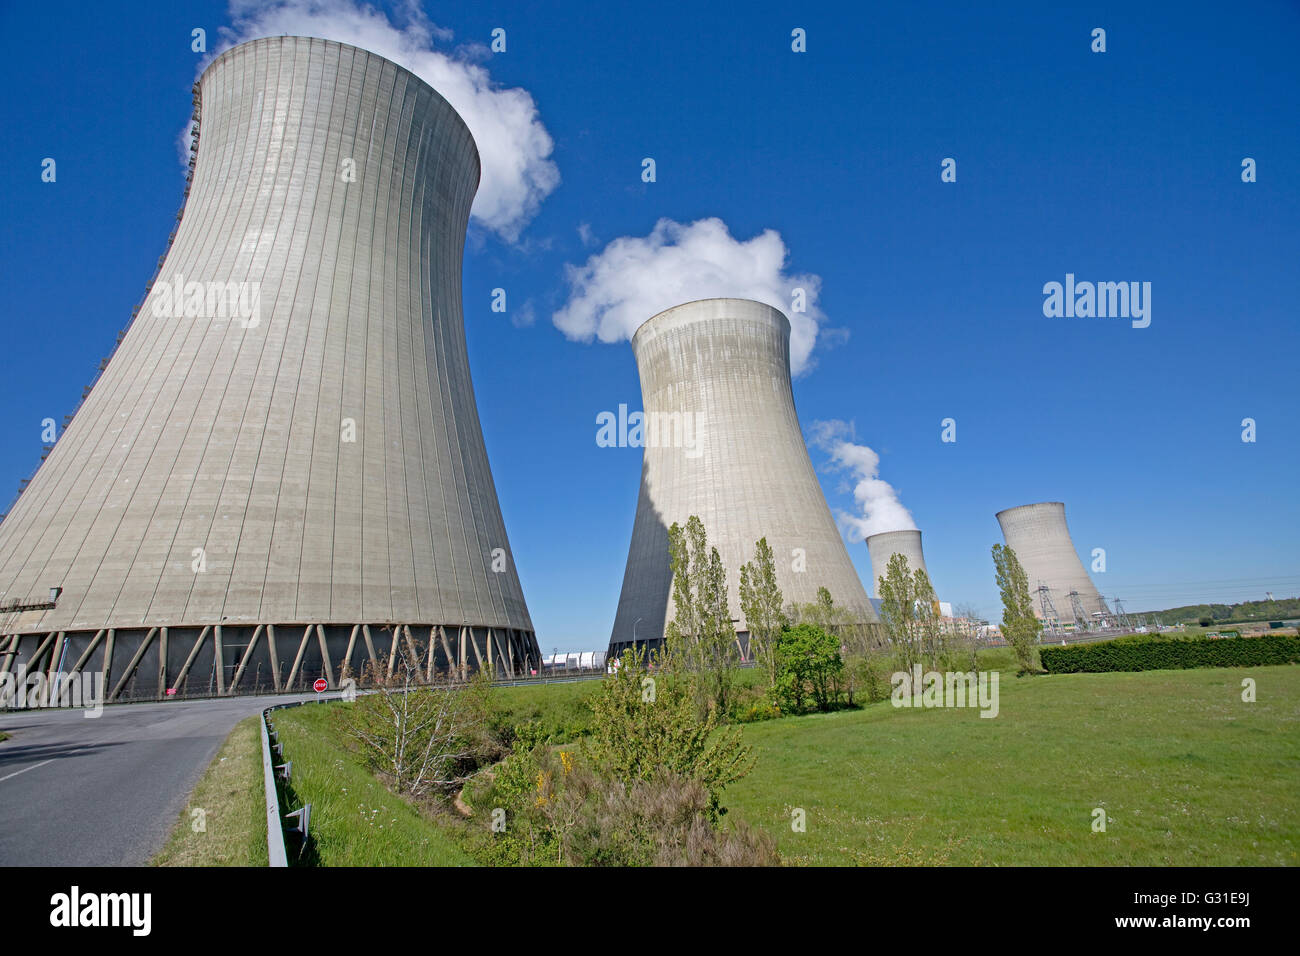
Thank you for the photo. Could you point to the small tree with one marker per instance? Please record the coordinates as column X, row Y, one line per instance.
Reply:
column 644, row 725
column 761, row 602
column 899, row 611
column 426, row 737
column 701, row 638
column 809, row 666
column 1019, row 625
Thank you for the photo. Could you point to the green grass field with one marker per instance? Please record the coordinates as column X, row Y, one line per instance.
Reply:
column 356, row 820
column 559, row 709
column 1186, row 772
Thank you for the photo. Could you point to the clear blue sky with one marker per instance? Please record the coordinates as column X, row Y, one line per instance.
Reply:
column 1117, row 166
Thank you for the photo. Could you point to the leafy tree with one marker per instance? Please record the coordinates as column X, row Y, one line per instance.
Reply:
column 899, row 611
column 809, row 666
column 701, row 638
column 1019, row 625
column 761, row 603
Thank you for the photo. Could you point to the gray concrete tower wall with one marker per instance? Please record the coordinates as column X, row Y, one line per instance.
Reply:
column 326, row 454
column 720, row 370
column 888, row 543
column 1041, row 539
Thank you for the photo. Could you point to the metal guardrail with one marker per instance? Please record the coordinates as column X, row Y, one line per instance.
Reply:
column 275, row 852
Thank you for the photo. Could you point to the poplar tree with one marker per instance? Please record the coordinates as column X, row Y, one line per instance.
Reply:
column 1019, row 625
column 701, row 639
column 761, row 602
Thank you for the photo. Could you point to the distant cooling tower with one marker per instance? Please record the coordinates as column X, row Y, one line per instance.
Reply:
column 885, row 545
column 1039, row 536
column 723, row 442
column 283, row 476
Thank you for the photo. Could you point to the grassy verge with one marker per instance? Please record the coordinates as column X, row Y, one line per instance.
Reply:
column 232, row 809
column 559, row 709
column 3, row 735
column 355, row 819
column 1186, row 772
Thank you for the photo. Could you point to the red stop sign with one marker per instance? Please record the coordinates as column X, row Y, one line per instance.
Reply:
column 320, row 685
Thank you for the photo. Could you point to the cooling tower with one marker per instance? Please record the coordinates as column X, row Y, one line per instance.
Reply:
column 270, row 486
column 1039, row 536
column 722, row 441
column 885, row 545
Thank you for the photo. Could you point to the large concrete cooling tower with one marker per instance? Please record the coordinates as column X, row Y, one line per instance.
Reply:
column 260, row 489
column 1039, row 536
column 723, row 443
column 885, row 545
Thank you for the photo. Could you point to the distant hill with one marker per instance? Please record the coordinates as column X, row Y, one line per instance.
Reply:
column 1228, row 613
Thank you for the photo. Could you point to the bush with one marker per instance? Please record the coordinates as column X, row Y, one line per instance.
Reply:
column 663, row 821
column 808, row 666
column 642, row 790
column 643, row 724
column 560, row 811
column 1146, row 653
column 422, row 740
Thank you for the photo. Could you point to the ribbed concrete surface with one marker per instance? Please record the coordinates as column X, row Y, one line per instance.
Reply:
column 202, row 433
column 726, row 363
column 1041, row 539
column 885, row 545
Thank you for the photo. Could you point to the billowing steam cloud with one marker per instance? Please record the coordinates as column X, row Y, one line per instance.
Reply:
column 514, row 146
column 881, row 509
column 633, row 278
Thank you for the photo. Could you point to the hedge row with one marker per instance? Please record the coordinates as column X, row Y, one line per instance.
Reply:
column 1163, row 653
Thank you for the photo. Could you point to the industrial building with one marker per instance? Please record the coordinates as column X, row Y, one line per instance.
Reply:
column 723, row 442
column 287, row 479
column 1061, row 590
column 885, row 545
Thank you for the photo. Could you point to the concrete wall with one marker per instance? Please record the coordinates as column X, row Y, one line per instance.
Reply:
column 204, row 433
column 723, row 365
column 1041, row 539
column 888, row 543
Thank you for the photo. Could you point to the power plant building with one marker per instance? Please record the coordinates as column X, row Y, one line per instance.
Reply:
column 280, row 474
column 885, row 545
column 722, row 441
column 1041, row 540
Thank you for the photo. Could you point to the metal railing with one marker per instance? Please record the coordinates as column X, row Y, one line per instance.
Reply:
column 276, row 853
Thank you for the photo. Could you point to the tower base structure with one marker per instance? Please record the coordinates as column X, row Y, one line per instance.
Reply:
column 156, row 663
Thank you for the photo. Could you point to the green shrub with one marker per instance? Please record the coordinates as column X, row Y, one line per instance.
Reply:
column 642, row 789
column 808, row 667
column 1163, row 652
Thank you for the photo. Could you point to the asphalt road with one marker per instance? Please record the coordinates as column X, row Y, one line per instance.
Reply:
column 76, row 791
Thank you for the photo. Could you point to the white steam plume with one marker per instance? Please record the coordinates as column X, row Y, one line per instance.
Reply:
column 634, row 278
column 877, row 500
column 514, row 147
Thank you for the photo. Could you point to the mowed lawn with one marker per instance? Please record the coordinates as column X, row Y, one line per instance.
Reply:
column 1186, row 772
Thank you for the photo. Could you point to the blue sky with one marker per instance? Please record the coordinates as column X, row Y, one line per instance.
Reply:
column 1115, row 166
